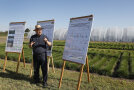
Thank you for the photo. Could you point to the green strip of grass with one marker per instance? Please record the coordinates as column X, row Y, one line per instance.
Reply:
column 96, row 67
column 123, row 68
column 108, row 67
column 132, row 66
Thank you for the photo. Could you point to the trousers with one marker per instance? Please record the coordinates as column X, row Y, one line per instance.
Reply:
column 40, row 60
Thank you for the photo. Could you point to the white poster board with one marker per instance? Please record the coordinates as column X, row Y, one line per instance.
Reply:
column 15, row 37
column 48, row 30
column 77, row 40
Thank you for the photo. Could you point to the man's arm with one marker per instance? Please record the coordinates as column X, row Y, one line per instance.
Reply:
column 48, row 43
column 31, row 43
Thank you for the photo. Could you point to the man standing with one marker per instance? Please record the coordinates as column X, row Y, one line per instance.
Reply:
column 39, row 43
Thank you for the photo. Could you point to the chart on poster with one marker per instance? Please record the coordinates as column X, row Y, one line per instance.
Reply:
column 15, row 37
column 77, row 40
column 48, row 30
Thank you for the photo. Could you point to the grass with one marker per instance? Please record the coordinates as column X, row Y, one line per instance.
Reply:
column 13, row 81
column 123, row 68
column 3, row 33
column 132, row 65
column 112, row 45
column 108, row 67
column 99, row 64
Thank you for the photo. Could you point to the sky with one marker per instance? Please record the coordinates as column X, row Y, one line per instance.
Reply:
column 107, row 13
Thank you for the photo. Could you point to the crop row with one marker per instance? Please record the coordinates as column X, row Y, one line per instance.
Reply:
column 112, row 45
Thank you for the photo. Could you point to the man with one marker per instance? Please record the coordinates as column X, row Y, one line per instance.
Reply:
column 39, row 43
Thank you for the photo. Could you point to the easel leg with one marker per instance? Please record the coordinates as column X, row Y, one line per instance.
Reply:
column 52, row 64
column 23, row 57
column 18, row 63
column 62, row 73
column 81, row 72
column 31, row 69
column 87, row 64
column 5, row 62
column 48, row 63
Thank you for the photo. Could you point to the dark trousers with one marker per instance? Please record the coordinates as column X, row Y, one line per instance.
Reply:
column 40, row 60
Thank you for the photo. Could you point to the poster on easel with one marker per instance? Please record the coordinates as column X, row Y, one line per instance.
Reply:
column 14, row 42
column 77, row 41
column 76, row 46
column 15, row 37
column 48, row 30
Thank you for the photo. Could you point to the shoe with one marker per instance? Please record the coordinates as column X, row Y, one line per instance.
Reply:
column 45, row 85
column 36, row 81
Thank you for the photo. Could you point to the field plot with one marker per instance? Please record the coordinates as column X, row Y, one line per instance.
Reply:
column 105, row 58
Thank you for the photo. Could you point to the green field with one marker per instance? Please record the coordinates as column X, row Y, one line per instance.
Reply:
column 10, row 80
column 3, row 33
column 105, row 58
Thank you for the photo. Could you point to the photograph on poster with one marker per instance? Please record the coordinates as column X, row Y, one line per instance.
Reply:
column 11, row 31
column 10, row 37
column 10, row 43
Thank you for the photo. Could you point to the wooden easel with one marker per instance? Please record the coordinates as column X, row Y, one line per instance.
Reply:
column 81, row 72
column 48, row 58
column 18, row 60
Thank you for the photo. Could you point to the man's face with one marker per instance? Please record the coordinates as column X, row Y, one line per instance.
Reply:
column 38, row 32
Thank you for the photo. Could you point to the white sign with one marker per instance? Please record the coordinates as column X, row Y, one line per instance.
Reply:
column 48, row 30
column 15, row 37
column 77, row 40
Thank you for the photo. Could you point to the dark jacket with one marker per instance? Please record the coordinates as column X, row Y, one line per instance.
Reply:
column 40, row 45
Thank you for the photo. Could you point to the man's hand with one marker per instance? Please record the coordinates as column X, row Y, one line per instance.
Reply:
column 48, row 43
column 31, row 44
column 45, row 39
